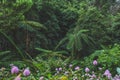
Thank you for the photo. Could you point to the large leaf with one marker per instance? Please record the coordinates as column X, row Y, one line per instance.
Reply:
column 35, row 24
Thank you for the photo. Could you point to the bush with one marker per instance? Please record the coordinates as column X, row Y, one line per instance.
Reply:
column 107, row 58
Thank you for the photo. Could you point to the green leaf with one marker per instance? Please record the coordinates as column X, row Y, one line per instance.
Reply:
column 43, row 50
column 4, row 52
column 35, row 24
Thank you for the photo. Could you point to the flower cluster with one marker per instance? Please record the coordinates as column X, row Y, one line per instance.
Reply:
column 69, row 72
column 77, row 73
column 15, row 70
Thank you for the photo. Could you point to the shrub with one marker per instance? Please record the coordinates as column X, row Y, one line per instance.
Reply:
column 108, row 57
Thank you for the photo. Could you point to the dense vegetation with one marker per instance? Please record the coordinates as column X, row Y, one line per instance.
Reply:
column 49, row 38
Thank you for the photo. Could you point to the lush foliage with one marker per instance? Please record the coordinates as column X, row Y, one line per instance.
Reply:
column 48, row 34
column 12, row 12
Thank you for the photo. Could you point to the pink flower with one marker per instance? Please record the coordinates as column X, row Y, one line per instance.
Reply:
column 87, row 69
column 14, row 70
column 26, row 72
column 77, row 68
column 60, row 69
column 57, row 69
column 100, row 68
column 41, row 78
column 70, row 65
column 93, row 76
column 18, row 78
column 107, row 74
column 95, row 62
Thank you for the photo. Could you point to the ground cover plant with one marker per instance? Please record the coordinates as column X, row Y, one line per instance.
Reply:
column 68, row 72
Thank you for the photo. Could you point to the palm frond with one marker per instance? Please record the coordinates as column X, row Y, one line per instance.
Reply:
column 4, row 53
column 12, row 42
column 49, row 53
column 34, row 24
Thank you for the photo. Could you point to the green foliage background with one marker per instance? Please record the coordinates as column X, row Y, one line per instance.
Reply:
column 70, row 28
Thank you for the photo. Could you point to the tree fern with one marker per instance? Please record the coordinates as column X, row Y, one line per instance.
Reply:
column 78, row 40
